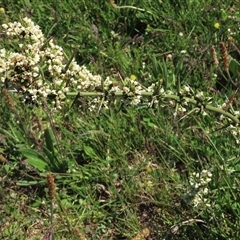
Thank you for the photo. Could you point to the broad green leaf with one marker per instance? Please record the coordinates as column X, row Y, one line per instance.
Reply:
column 90, row 152
column 234, row 67
column 49, row 139
column 54, row 163
column 34, row 159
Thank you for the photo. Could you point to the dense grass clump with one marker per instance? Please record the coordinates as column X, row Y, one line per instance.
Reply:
column 119, row 120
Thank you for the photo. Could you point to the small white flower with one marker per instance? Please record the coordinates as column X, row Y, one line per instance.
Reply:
column 183, row 52
column 5, row 26
column 161, row 91
column 169, row 57
column 200, row 94
column 126, row 89
column 187, row 88
column 205, row 191
column 44, row 94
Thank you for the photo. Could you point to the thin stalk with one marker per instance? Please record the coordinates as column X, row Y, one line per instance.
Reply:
column 128, row 6
column 165, row 96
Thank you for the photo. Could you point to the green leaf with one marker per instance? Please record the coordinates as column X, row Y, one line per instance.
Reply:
column 34, row 159
column 27, row 183
column 90, row 152
column 165, row 75
column 234, row 67
column 54, row 163
column 48, row 135
column 149, row 122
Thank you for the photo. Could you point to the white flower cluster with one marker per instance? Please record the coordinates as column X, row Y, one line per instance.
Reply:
column 40, row 68
column 235, row 130
column 130, row 88
column 134, row 89
column 197, row 194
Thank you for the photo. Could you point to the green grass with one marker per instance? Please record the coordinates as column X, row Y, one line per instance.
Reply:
column 126, row 171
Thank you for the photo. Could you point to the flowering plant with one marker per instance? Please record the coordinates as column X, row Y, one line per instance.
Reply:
column 40, row 68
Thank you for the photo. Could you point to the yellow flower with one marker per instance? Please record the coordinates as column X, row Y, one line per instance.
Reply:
column 2, row 10
column 149, row 184
column 149, row 169
column 133, row 77
column 217, row 25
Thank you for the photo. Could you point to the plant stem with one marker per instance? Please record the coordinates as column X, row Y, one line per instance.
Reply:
column 165, row 96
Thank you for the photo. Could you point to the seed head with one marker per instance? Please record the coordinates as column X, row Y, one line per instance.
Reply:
column 51, row 186
column 225, row 57
column 9, row 99
column 214, row 57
